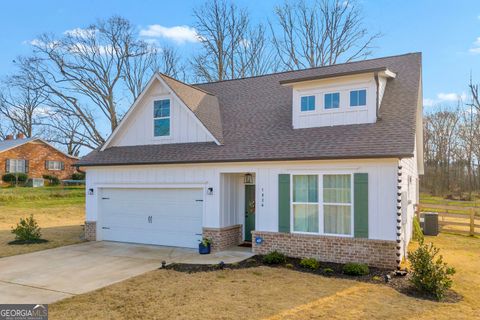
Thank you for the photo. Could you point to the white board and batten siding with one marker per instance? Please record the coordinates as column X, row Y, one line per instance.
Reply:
column 138, row 129
column 382, row 175
column 345, row 114
column 410, row 193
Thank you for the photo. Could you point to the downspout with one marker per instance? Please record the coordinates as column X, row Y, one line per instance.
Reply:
column 377, row 101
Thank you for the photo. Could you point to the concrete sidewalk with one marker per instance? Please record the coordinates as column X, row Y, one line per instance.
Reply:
column 51, row 275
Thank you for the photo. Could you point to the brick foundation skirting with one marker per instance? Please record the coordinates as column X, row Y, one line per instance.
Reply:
column 90, row 230
column 223, row 238
column 375, row 253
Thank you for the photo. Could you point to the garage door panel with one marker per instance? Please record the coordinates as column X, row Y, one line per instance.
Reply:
column 175, row 216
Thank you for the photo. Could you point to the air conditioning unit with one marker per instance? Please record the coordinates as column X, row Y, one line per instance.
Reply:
column 35, row 182
column 430, row 223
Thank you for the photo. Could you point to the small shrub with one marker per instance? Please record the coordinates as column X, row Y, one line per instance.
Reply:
column 78, row 176
column 52, row 180
column 14, row 177
column 27, row 230
column 289, row 266
column 274, row 257
column 310, row 263
column 429, row 273
column 417, row 230
column 356, row 269
column 328, row 271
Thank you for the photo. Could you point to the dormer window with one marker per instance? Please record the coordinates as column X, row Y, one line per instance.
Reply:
column 358, row 98
column 332, row 100
column 307, row 103
column 161, row 118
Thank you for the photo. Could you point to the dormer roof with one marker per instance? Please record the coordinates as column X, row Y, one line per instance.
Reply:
column 202, row 103
column 382, row 71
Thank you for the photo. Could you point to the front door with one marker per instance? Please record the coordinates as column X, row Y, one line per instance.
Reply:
column 249, row 211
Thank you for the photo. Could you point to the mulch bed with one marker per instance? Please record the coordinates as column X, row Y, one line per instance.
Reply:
column 376, row 276
column 20, row 242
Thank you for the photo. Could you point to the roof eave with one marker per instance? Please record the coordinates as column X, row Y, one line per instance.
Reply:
column 383, row 70
column 380, row 156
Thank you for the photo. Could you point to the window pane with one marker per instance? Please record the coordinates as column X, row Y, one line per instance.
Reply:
column 353, row 98
column 162, row 127
column 305, row 217
column 362, row 97
column 305, row 188
column 307, row 103
column 337, row 219
column 17, row 165
column 337, row 188
column 304, row 104
column 161, row 108
column 311, row 103
column 336, row 100
column 332, row 100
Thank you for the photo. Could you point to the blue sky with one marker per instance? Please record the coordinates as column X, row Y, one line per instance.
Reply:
column 447, row 32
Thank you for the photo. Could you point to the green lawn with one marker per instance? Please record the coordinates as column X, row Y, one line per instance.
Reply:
column 426, row 199
column 60, row 213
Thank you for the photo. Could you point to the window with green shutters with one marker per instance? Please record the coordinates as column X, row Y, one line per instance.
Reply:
column 330, row 204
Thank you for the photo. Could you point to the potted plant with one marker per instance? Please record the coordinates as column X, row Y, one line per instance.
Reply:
column 204, row 246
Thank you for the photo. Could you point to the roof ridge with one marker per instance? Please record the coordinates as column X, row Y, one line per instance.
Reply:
column 304, row 69
column 186, row 84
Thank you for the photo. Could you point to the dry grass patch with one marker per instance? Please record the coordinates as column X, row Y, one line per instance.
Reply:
column 275, row 293
column 60, row 217
column 56, row 236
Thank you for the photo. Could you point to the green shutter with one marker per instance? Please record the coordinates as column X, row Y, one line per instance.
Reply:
column 284, row 203
column 360, row 212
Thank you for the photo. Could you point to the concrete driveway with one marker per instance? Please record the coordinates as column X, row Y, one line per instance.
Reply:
column 51, row 275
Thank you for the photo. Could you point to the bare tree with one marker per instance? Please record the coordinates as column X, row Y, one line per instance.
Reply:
column 21, row 106
column 318, row 34
column 87, row 73
column 67, row 131
column 231, row 46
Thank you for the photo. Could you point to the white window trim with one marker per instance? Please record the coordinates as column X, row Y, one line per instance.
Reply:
column 54, row 169
column 314, row 105
column 320, row 203
column 339, row 101
column 159, row 98
column 15, row 166
column 359, row 107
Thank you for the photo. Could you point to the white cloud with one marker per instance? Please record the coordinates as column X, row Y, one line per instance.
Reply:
column 448, row 96
column 476, row 46
column 179, row 34
column 79, row 32
column 443, row 97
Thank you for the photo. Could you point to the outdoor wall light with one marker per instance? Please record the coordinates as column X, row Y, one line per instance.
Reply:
column 90, row 191
column 248, row 178
column 210, row 191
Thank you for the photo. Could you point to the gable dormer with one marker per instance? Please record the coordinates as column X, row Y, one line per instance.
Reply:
column 169, row 112
column 338, row 99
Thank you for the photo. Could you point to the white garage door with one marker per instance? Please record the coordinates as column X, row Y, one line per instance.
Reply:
column 169, row 217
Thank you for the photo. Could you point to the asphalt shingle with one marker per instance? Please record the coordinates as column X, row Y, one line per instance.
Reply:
column 256, row 122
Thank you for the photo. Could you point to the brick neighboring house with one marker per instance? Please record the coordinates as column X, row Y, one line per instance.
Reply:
column 35, row 157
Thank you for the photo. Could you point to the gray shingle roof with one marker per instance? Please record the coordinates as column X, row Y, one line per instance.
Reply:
column 9, row 144
column 257, row 122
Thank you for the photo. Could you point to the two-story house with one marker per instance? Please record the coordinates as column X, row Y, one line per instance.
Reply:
column 322, row 162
